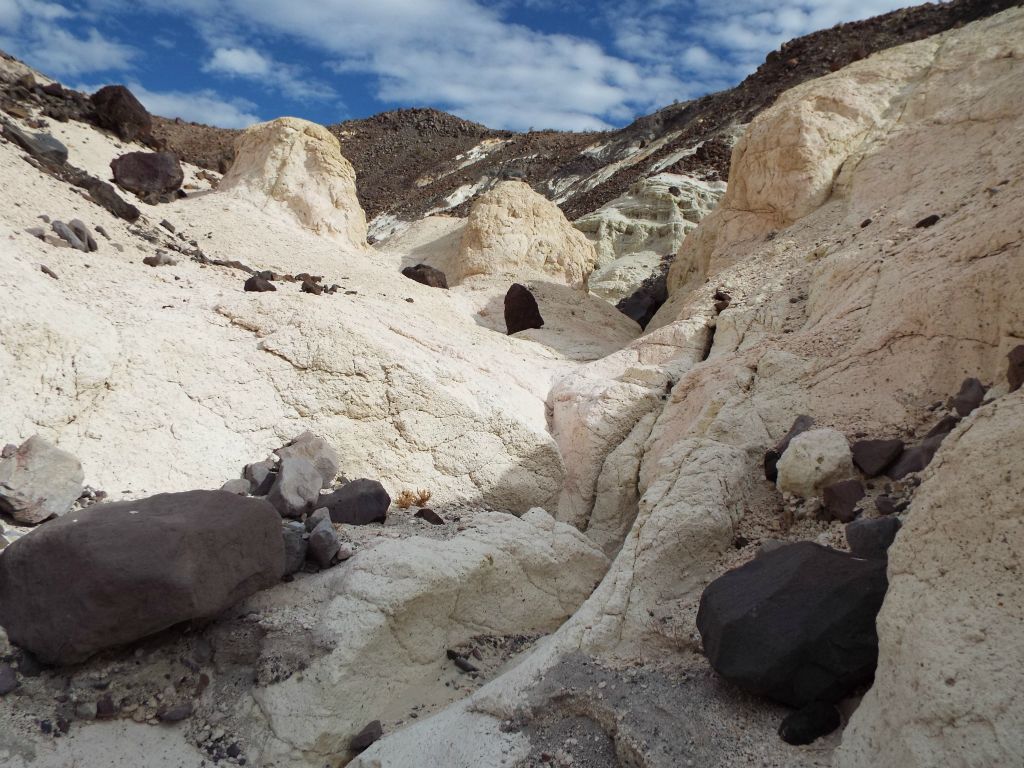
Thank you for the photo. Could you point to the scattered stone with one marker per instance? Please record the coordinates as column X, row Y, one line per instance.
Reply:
column 1015, row 367
column 175, row 714
column 970, row 396
column 772, row 455
column 317, row 451
column 118, row 110
column 865, row 223
column 813, row 460
column 311, row 287
column 465, row 664
column 886, row 505
column 944, row 426
column 257, row 284
column 8, row 679
column 916, row 458
column 238, row 486
column 167, row 225
column 85, row 710
column 49, row 272
column 809, row 723
column 722, row 301
column 344, row 553
column 39, row 481
column 296, row 487
column 160, row 259
column 295, row 546
column 840, row 500
column 323, row 544
column 521, row 310
column 796, row 624
column 316, row 517
column 104, row 194
column 430, row 516
column 105, row 708
column 148, row 174
column 261, row 476
column 873, row 457
column 871, row 538
column 366, row 737
column 69, row 236
column 82, row 232
column 426, row 275
column 114, row 573
column 928, row 221
column 360, row 502
column 39, row 145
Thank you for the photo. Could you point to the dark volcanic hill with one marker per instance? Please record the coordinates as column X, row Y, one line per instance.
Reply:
column 411, row 162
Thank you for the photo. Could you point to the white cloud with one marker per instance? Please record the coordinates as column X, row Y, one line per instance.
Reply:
column 57, row 52
column 246, row 62
column 204, row 106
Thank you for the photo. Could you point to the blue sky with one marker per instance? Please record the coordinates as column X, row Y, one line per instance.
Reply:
column 506, row 63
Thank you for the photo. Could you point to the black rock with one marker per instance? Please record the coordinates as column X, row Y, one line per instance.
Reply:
column 175, row 714
column 944, row 426
column 1015, row 367
column 104, row 194
column 430, row 516
column 295, row 546
column 8, row 679
column 427, row 275
column 886, row 505
column 840, row 500
column 772, row 455
column 358, row 503
column 309, row 286
column 916, row 458
column 323, row 544
column 118, row 110
column 970, row 396
column 643, row 304
column 115, row 573
column 258, row 284
column 873, row 457
column 148, row 174
column 521, row 310
column 796, row 624
column 809, row 723
column 366, row 737
column 872, row 537
column 39, row 145
column 928, row 221
column 105, row 708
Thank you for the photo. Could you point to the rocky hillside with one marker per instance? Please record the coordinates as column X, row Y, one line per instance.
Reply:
column 418, row 161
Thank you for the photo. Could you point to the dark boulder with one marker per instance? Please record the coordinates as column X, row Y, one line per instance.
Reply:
column 430, row 516
column 796, row 624
column 873, row 457
column 105, row 195
column 119, row 111
column 916, row 458
column 643, row 304
column 257, row 284
column 928, row 221
column 427, row 275
column 772, row 455
column 871, row 537
column 148, row 174
column 943, row 426
column 840, row 500
column 360, row 502
column 970, row 396
column 114, row 573
column 39, row 145
column 1015, row 367
column 371, row 733
column 809, row 723
column 521, row 310
column 294, row 535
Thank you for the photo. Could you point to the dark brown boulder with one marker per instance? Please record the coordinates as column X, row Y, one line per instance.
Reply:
column 873, row 457
column 521, row 310
column 114, row 573
column 426, row 275
column 360, row 502
column 119, row 111
column 105, row 195
column 917, row 457
column 1015, row 367
column 148, row 174
column 772, row 455
column 796, row 624
column 371, row 733
column 970, row 396
column 840, row 500
column 872, row 537
column 257, row 284
column 809, row 723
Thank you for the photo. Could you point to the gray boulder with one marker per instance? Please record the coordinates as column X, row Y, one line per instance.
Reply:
column 38, row 481
column 318, row 452
column 295, row 545
column 871, row 537
column 115, row 573
column 323, row 544
column 238, row 486
column 358, row 503
column 295, row 488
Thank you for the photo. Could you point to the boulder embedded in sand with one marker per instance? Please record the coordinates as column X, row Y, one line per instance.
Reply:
column 299, row 164
column 39, row 480
column 796, row 624
column 517, row 232
column 813, row 460
column 148, row 174
column 950, row 683
column 118, row 572
column 521, row 310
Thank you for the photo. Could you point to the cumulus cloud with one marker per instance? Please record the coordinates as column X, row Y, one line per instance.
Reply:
column 246, row 62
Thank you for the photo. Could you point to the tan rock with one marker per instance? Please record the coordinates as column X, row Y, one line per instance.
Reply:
column 299, row 164
column 813, row 460
column 519, row 234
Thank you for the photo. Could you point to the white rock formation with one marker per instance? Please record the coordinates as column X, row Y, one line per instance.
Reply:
column 519, row 234
column 813, row 460
column 949, row 689
column 299, row 164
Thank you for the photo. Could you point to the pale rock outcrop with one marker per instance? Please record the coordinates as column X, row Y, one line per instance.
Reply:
column 38, row 481
column 949, row 689
column 515, row 232
column 635, row 231
column 813, row 460
column 860, row 328
column 299, row 164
